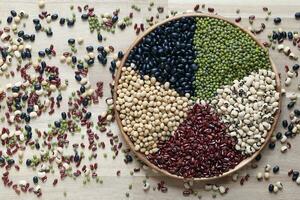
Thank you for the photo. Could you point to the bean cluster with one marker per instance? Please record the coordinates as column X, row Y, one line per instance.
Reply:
column 149, row 111
column 248, row 107
column 224, row 53
column 167, row 53
column 199, row 147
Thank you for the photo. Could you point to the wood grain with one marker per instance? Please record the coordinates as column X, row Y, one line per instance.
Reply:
column 115, row 187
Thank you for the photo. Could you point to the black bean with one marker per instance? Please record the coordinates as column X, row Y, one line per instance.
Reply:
column 291, row 104
column 24, row 97
column 2, row 160
column 35, row 180
column 4, row 53
column 28, row 162
column 26, row 54
column 36, row 21
column 18, row 106
column 104, row 53
column 78, row 77
column 38, row 27
column 48, row 51
column 64, row 115
column 57, row 124
column 76, row 158
column 100, row 58
column 104, row 61
column 49, row 32
column 278, row 135
column 54, row 17
column 290, row 35
column 296, row 67
column 128, row 159
column 275, row 169
column 32, row 37
column 43, row 64
column 10, row 162
column 89, row 48
column 71, row 41
column 28, row 128
column 13, row 13
column 51, row 77
column 27, row 118
column 120, row 55
column 284, row 35
column 30, row 109
column 114, row 19
column 74, row 59
column 258, row 157
column 277, row 20
column 297, row 112
column 288, row 133
column 70, row 23
column 82, row 89
column 85, row 102
column 284, row 123
column 37, row 86
column 272, row 145
column 295, row 175
column 37, row 146
column 112, row 70
column 90, row 61
column 42, row 54
column 88, row 115
column 17, row 99
column 26, row 37
column 122, row 26
column 113, row 64
column 23, row 115
column 271, row 188
column 291, row 126
column 59, row 97
column 23, row 55
column 84, row 16
column 62, row 21
column 167, row 54
column 100, row 49
column 15, row 89
column 20, row 33
column 297, row 15
column 99, row 37
column 9, row 19
column 275, row 35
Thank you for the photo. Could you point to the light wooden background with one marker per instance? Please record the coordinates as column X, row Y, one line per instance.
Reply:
column 115, row 187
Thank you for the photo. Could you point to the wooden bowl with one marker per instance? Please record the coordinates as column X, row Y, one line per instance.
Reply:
column 142, row 156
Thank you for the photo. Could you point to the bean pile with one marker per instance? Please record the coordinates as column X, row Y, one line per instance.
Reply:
column 149, row 111
column 224, row 54
column 36, row 88
column 199, row 58
column 167, row 53
column 248, row 107
column 199, row 147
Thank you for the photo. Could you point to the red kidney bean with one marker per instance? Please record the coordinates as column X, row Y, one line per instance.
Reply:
column 200, row 147
column 211, row 10
column 238, row 19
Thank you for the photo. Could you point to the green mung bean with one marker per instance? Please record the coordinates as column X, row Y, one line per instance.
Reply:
column 224, row 53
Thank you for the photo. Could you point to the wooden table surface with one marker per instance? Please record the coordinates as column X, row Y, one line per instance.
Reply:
column 115, row 187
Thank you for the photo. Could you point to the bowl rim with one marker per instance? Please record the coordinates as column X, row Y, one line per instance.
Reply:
column 141, row 156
